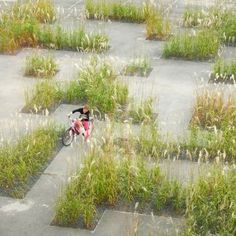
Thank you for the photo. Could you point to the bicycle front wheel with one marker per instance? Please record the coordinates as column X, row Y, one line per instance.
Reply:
column 68, row 137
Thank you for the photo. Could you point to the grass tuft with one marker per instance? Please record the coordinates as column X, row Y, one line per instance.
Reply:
column 224, row 72
column 215, row 18
column 142, row 113
column 104, row 179
column 40, row 66
column 158, row 26
column 213, row 110
column 100, row 9
column 21, row 28
column 45, row 96
column 96, row 83
column 138, row 66
column 211, row 205
column 22, row 161
column 192, row 47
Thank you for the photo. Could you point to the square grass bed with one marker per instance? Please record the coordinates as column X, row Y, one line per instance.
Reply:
column 110, row 179
column 23, row 161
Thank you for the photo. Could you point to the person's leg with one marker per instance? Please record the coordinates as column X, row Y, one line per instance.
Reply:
column 86, row 127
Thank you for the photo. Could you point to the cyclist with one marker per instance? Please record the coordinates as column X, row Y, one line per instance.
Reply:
column 84, row 112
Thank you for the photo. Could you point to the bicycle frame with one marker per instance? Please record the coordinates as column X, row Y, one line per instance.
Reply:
column 73, row 127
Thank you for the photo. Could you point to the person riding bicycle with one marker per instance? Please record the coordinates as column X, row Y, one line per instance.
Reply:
column 85, row 113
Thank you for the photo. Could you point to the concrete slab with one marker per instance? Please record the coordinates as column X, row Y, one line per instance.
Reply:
column 122, row 223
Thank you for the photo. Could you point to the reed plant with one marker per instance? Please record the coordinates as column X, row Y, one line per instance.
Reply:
column 157, row 23
column 104, row 179
column 142, row 113
column 21, row 28
column 212, row 128
column 194, row 17
column 95, row 83
column 41, row 10
column 99, row 86
column 224, row 72
column 76, row 40
column 139, row 66
column 211, row 205
column 212, row 109
column 149, row 142
column 158, row 26
column 215, row 18
column 16, row 34
column 100, row 9
column 24, row 159
column 192, row 47
column 46, row 95
column 40, row 66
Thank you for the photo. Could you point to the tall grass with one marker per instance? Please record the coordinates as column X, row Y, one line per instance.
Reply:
column 216, row 18
column 142, row 113
column 224, row 71
column 192, row 47
column 212, row 109
column 211, row 205
column 20, row 162
column 42, row 10
column 193, row 17
column 212, row 128
column 100, row 9
column 15, row 34
column 77, row 40
column 138, row 66
column 158, row 25
column 149, row 142
column 96, row 83
column 40, row 66
column 21, row 28
column 45, row 96
column 99, row 86
column 105, row 180
column 19, row 25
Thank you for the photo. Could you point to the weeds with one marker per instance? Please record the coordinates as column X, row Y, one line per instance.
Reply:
column 149, row 143
column 193, row 18
column 77, row 40
column 22, row 161
column 21, row 28
column 40, row 66
column 45, row 96
column 157, row 24
column 215, row 18
column 105, row 10
column 212, row 110
column 211, row 205
column 139, row 66
column 96, row 83
column 105, row 180
column 224, row 72
column 42, row 10
column 16, row 34
column 213, row 131
column 192, row 47
column 142, row 113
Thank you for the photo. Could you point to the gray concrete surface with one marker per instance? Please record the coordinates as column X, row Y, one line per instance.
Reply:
column 172, row 83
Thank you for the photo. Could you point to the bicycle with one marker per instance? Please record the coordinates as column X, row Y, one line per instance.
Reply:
column 76, row 128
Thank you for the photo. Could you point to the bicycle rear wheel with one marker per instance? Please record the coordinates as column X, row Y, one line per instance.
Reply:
column 68, row 137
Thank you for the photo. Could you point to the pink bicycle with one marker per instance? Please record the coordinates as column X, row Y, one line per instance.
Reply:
column 76, row 128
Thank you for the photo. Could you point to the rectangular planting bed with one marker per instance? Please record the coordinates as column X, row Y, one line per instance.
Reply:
column 22, row 162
